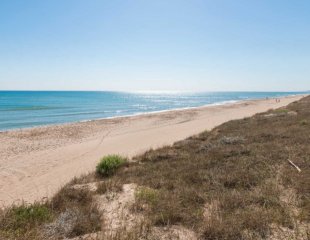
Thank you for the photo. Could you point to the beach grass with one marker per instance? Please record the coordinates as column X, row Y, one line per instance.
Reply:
column 23, row 220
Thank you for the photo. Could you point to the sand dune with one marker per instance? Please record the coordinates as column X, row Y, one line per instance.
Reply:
column 35, row 163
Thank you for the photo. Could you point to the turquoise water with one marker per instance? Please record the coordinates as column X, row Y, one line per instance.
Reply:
column 23, row 109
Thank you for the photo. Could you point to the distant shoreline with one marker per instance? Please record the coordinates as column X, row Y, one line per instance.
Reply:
column 221, row 103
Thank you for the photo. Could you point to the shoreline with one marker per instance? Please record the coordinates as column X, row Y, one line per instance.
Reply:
column 36, row 162
column 150, row 113
column 130, row 115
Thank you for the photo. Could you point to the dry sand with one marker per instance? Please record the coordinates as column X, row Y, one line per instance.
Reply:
column 35, row 163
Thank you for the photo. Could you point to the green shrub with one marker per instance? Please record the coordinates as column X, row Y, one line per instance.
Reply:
column 108, row 165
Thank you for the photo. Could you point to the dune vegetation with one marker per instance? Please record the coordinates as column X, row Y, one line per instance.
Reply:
column 245, row 179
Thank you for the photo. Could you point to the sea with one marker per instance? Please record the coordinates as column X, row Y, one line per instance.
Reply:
column 25, row 109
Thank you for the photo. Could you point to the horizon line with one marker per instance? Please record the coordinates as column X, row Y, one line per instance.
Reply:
column 149, row 91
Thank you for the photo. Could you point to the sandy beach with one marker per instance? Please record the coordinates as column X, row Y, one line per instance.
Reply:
column 35, row 163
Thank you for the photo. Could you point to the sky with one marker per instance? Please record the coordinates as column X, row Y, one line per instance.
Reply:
column 171, row 45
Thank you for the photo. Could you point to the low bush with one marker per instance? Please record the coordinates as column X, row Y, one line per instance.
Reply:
column 109, row 164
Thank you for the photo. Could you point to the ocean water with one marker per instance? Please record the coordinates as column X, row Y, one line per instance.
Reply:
column 24, row 109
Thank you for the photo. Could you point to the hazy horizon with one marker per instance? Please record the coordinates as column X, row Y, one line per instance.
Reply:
column 132, row 46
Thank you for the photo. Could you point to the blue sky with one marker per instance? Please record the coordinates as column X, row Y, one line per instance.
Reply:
column 206, row 45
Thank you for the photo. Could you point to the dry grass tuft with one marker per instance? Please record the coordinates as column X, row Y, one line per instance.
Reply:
column 23, row 221
column 85, row 217
column 108, row 186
